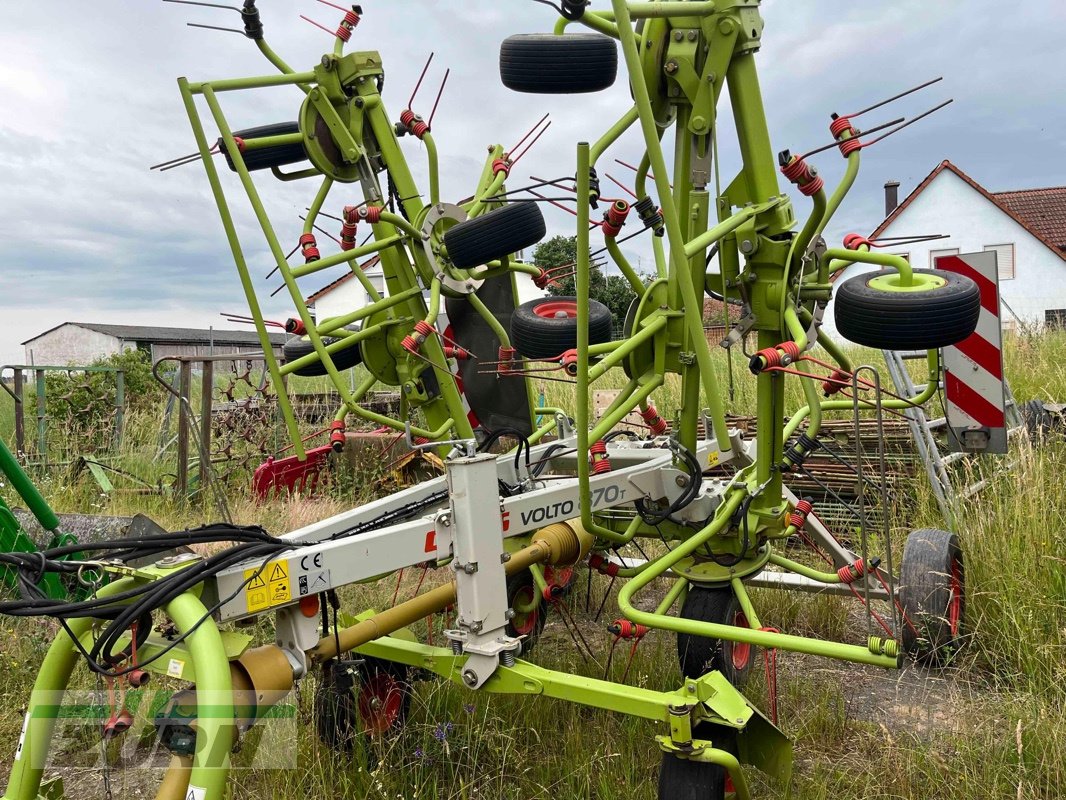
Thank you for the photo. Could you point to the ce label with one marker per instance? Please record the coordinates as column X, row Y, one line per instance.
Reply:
column 316, row 560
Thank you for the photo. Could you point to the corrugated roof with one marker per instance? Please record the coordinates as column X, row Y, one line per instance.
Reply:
column 1043, row 210
column 150, row 333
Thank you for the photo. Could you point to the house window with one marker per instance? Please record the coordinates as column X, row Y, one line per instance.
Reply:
column 1004, row 259
column 935, row 254
column 1055, row 318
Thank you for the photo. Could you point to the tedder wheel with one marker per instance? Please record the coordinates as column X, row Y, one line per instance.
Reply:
column 547, row 327
column 683, row 779
column 526, row 625
column 494, row 235
column 932, row 593
column 543, row 63
column 941, row 309
column 1038, row 421
column 277, row 155
column 371, row 702
column 697, row 655
column 298, row 346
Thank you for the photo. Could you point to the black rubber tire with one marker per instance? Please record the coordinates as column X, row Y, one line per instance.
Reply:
column 298, row 346
column 1039, row 422
column 907, row 320
column 536, row 336
column 527, row 627
column 698, row 655
column 494, row 235
column 339, row 719
column 543, row 63
column 275, row 156
column 682, row 779
column 931, row 577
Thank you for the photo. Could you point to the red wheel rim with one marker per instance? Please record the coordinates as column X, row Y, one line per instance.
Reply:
column 380, row 702
column 524, row 621
column 553, row 308
column 740, row 654
column 955, row 603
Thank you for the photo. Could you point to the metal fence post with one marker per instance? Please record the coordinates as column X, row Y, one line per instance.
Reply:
column 42, row 415
column 207, row 391
column 181, row 484
column 20, row 420
column 120, row 407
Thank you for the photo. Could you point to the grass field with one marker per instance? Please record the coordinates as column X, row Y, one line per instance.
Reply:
column 992, row 725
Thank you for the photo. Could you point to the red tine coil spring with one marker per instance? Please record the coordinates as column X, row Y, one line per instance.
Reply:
column 849, row 573
column 836, row 382
column 803, row 176
column 505, row 358
column 853, row 241
column 655, row 422
column 309, row 248
column 615, row 217
column 771, row 356
column 501, row 165
column 336, row 435
column 799, row 516
column 598, row 456
column 295, row 326
column 626, row 629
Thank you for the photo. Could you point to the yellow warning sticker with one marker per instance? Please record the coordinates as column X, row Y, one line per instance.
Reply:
column 712, row 458
column 267, row 587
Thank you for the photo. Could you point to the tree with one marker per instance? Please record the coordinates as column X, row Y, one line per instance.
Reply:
column 613, row 291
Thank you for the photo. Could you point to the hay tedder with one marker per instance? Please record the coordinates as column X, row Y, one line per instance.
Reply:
column 573, row 491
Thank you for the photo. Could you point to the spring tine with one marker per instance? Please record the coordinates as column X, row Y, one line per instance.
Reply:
column 440, row 91
column 915, row 238
column 620, row 185
column 318, row 25
column 894, row 98
column 909, row 122
column 528, row 147
column 205, row 5
column 420, row 77
column 214, row 28
column 342, row 9
column 180, row 161
column 529, row 132
column 833, row 144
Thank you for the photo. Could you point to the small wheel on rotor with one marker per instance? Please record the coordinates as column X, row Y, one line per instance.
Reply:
column 685, row 779
column 546, row 328
column 299, row 346
column 698, row 655
column 544, row 63
column 932, row 583
column 354, row 701
column 939, row 309
column 499, row 233
column 530, row 611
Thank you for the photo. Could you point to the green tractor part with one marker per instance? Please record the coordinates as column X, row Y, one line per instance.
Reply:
column 574, row 490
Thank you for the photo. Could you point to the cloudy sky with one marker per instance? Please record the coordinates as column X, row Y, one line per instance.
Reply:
column 88, row 101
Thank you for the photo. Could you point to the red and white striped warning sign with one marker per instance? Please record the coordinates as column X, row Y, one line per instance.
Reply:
column 973, row 368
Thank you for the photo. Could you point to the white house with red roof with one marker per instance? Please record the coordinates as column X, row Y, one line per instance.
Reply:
column 1026, row 228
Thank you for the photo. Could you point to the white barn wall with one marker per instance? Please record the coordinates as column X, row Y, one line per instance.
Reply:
column 950, row 205
column 72, row 344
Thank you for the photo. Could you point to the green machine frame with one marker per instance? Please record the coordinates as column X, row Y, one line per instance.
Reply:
column 679, row 58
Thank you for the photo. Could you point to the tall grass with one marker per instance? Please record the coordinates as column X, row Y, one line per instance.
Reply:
column 992, row 725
